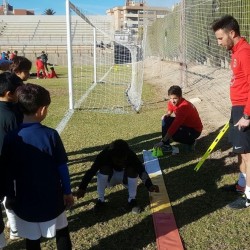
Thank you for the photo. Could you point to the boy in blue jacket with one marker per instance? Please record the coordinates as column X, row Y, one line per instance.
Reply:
column 34, row 157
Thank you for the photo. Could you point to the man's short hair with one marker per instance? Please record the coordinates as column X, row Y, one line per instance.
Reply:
column 175, row 90
column 227, row 23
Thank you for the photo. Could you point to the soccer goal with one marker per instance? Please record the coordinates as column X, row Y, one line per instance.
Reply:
column 105, row 69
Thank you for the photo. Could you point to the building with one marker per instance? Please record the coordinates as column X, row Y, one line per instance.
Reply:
column 23, row 12
column 133, row 14
column 7, row 9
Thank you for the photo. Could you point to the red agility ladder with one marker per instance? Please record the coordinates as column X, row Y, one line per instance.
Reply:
column 167, row 234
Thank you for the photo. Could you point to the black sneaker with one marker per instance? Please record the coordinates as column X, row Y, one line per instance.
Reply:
column 132, row 205
column 236, row 188
column 240, row 203
column 98, row 206
column 190, row 147
column 166, row 148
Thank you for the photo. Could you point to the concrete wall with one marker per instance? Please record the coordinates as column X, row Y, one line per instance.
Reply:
column 29, row 35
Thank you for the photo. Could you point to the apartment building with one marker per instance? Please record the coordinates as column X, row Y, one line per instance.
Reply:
column 7, row 9
column 133, row 14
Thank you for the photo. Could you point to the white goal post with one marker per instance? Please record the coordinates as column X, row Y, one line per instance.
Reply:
column 104, row 73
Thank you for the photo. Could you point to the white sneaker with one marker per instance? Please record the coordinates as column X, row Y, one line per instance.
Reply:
column 14, row 235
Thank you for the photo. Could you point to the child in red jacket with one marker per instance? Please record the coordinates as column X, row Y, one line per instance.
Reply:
column 52, row 74
column 40, row 67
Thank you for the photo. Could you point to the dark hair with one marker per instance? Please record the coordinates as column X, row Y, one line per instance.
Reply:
column 52, row 68
column 20, row 63
column 31, row 97
column 227, row 23
column 9, row 82
column 175, row 90
column 119, row 148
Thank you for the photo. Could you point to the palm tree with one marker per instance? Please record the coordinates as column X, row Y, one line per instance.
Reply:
column 49, row 12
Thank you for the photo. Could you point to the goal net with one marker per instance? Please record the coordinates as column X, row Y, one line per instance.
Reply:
column 184, row 41
column 105, row 67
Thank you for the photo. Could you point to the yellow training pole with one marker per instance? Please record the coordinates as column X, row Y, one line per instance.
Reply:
column 210, row 149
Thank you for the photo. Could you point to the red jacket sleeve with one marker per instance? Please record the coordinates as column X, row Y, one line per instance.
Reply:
column 245, row 62
column 180, row 116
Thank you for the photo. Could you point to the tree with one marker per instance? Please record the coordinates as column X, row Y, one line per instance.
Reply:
column 49, row 12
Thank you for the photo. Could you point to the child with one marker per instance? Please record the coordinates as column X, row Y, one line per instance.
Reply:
column 39, row 68
column 117, row 164
column 20, row 69
column 34, row 156
column 13, row 55
column 181, row 123
column 21, row 66
column 52, row 74
column 10, row 118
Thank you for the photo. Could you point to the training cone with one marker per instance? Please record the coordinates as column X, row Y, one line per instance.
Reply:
column 159, row 152
column 154, row 152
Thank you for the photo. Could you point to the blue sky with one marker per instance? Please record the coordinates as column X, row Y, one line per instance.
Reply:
column 90, row 6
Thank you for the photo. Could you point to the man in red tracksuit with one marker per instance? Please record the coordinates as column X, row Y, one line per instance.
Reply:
column 227, row 32
column 182, row 122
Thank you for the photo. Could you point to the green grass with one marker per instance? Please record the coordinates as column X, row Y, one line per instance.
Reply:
column 198, row 202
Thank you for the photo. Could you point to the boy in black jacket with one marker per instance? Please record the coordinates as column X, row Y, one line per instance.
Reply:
column 117, row 164
column 10, row 118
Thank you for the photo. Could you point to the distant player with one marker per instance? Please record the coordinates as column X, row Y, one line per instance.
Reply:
column 52, row 73
column 44, row 58
column 40, row 68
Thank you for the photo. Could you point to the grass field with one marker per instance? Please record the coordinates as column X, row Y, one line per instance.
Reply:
column 198, row 202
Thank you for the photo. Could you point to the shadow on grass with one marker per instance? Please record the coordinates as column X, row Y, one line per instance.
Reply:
column 88, row 155
column 137, row 144
column 115, row 206
column 134, row 236
column 201, row 188
column 137, row 237
column 198, row 190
